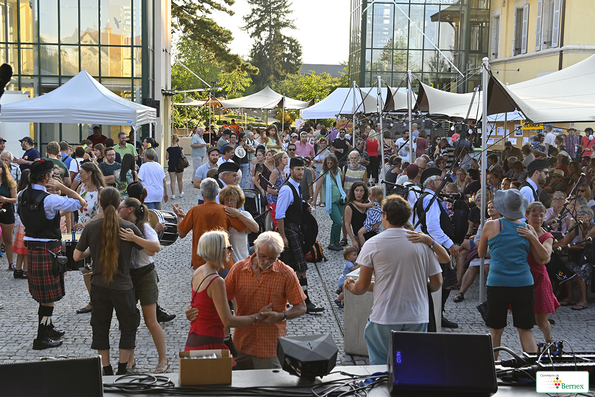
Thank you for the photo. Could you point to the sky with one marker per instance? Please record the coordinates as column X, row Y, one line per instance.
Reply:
column 322, row 28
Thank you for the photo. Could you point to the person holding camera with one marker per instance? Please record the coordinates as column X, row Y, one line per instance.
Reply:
column 40, row 214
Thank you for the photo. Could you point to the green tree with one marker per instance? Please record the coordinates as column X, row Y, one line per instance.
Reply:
column 234, row 83
column 195, row 58
column 275, row 54
column 192, row 18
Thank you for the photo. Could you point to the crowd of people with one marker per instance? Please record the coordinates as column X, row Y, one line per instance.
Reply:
column 429, row 207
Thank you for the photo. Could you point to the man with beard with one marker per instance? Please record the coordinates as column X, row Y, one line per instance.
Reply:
column 537, row 173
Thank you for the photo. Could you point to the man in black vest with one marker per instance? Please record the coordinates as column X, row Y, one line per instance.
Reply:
column 289, row 220
column 434, row 221
column 40, row 213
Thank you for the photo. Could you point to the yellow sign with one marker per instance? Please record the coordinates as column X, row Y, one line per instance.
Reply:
column 529, row 126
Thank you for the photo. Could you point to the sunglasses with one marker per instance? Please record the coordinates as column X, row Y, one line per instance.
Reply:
column 229, row 248
column 291, row 150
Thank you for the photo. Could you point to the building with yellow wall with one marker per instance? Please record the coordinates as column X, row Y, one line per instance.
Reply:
column 530, row 38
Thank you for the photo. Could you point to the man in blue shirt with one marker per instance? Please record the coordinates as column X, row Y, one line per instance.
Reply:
column 288, row 215
column 31, row 154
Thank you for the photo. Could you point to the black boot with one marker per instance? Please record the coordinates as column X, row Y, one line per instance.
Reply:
column 311, row 307
column 162, row 316
column 44, row 326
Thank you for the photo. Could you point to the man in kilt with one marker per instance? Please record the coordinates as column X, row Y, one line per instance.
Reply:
column 40, row 213
column 289, row 219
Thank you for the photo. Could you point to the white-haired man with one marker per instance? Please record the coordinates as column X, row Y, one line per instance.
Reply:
column 255, row 282
column 199, row 147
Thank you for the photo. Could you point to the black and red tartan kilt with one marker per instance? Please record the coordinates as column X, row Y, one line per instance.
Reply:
column 43, row 285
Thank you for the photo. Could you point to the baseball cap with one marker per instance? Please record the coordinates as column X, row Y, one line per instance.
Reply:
column 294, row 134
column 2, row 139
column 27, row 139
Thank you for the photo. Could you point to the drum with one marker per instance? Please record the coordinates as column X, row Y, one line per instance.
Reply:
column 169, row 234
column 68, row 246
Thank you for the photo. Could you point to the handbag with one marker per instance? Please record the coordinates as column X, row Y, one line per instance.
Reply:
column 182, row 162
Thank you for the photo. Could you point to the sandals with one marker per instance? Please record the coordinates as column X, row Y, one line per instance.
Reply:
column 161, row 368
column 459, row 297
column 86, row 309
column 130, row 368
column 579, row 307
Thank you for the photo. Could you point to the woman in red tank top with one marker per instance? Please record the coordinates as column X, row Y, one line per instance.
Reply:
column 372, row 150
column 209, row 297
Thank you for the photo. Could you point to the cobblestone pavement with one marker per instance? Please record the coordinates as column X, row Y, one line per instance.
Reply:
column 18, row 319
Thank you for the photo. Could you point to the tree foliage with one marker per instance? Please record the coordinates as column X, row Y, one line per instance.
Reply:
column 275, row 54
column 192, row 18
column 310, row 86
column 234, row 83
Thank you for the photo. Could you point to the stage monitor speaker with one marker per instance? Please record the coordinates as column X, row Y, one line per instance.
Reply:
column 49, row 378
column 307, row 356
column 441, row 363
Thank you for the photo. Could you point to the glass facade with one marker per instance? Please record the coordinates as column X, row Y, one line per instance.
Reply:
column 388, row 38
column 49, row 41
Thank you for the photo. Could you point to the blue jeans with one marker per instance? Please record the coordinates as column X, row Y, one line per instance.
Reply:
column 152, row 206
column 377, row 337
column 245, row 174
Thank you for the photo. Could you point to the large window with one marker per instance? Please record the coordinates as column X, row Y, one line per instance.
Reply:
column 49, row 41
column 520, row 30
column 547, row 24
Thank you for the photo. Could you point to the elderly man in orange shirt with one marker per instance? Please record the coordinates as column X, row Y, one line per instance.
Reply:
column 255, row 282
column 206, row 217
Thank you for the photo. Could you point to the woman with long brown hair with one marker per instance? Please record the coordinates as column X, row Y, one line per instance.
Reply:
column 333, row 194
column 92, row 183
column 8, row 196
column 111, row 286
column 272, row 140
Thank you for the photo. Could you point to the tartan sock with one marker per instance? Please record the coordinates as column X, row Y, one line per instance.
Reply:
column 45, row 321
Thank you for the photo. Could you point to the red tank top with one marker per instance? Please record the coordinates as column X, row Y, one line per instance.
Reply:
column 208, row 322
column 372, row 148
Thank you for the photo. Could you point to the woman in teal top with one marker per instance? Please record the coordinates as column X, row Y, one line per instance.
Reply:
column 510, row 283
column 332, row 195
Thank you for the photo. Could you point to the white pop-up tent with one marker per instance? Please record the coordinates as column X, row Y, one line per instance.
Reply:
column 81, row 100
column 264, row 99
column 343, row 101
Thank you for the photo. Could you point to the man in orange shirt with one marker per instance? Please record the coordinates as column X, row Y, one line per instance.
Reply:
column 262, row 279
column 203, row 218
column 234, row 127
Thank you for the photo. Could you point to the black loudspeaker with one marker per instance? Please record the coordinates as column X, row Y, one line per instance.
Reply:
column 435, row 364
column 307, row 356
column 57, row 377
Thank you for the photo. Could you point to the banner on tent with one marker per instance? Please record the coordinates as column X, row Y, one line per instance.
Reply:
column 530, row 126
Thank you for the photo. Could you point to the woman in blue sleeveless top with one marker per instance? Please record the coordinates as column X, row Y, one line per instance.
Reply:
column 510, row 283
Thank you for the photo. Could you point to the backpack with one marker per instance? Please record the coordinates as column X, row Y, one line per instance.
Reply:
column 315, row 254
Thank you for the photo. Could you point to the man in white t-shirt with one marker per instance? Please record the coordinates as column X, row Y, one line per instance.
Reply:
column 401, row 281
column 199, row 147
column 152, row 176
column 402, row 145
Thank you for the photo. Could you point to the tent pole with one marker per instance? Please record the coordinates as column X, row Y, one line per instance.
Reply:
column 381, row 143
column 409, row 106
column 484, row 134
column 245, row 119
column 353, row 111
column 283, row 115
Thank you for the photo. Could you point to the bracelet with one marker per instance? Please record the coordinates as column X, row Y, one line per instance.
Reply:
column 284, row 316
column 255, row 319
column 433, row 242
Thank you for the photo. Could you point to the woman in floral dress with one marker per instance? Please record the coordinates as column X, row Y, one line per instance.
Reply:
column 92, row 183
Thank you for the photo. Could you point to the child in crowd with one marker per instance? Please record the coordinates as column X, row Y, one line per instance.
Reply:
column 350, row 255
column 18, row 247
column 65, row 216
column 373, row 213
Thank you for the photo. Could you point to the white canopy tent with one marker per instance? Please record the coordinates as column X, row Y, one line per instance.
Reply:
column 81, row 100
column 567, row 95
column 450, row 104
column 342, row 101
column 191, row 102
column 264, row 99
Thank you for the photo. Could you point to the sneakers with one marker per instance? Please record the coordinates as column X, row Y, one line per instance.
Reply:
column 181, row 195
column 340, row 304
column 20, row 274
column 163, row 316
column 173, row 197
column 12, row 266
column 335, row 247
column 312, row 308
